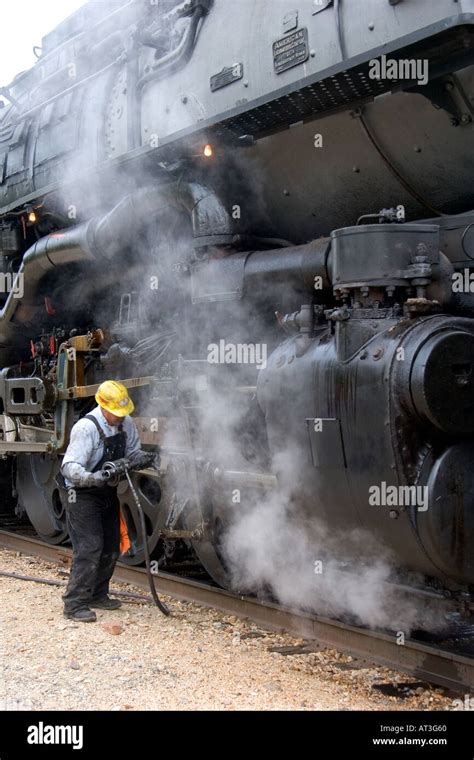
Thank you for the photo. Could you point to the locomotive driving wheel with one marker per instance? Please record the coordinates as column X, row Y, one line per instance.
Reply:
column 206, row 516
column 39, row 497
column 149, row 493
column 208, row 547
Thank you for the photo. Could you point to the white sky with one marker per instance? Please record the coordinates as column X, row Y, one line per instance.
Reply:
column 23, row 24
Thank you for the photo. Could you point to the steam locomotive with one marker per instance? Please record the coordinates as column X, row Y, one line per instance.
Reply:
column 258, row 216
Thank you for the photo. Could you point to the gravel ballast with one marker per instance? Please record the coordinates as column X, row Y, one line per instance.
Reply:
column 134, row 658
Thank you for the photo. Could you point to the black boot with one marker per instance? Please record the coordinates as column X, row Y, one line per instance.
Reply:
column 84, row 615
column 106, row 603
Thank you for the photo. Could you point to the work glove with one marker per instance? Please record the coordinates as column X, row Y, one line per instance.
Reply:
column 143, row 459
column 94, row 480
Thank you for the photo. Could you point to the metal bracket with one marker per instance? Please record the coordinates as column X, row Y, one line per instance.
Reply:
column 321, row 5
column 447, row 94
column 23, row 395
column 290, row 22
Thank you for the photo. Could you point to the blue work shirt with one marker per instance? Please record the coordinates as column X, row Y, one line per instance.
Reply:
column 86, row 449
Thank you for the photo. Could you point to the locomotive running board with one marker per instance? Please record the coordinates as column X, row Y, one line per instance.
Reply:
column 448, row 45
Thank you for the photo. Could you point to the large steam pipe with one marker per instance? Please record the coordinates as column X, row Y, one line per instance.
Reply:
column 295, row 265
column 245, row 479
column 210, row 219
column 104, row 237
column 59, row 248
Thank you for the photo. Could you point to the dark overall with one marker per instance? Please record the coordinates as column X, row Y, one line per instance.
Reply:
column 94, row 528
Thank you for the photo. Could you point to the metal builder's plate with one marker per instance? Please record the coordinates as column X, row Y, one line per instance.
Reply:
column 291, row 50
column 227, row 76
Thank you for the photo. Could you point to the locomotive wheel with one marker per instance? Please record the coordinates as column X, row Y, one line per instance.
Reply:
column 149, row 493
column 38, row 496
column 208, row 548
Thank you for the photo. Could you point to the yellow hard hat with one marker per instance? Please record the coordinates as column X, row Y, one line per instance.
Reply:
column 114, row 397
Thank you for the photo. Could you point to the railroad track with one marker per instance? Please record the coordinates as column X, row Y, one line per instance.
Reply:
column 424, row 661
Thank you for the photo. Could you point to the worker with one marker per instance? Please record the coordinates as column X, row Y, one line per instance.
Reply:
column 107, row 434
